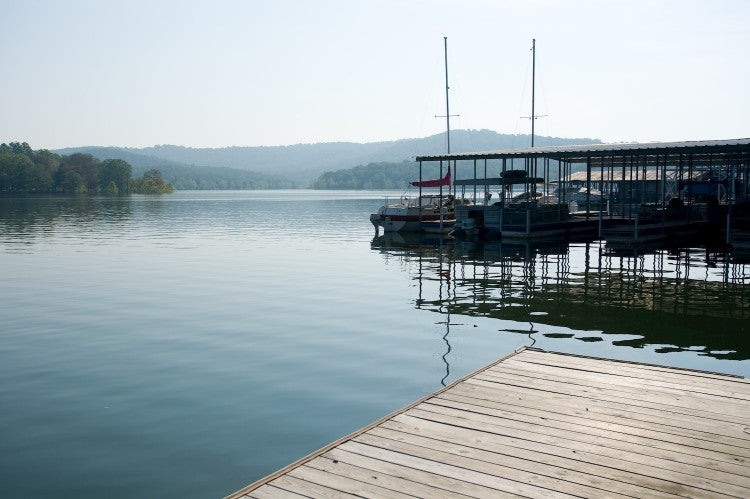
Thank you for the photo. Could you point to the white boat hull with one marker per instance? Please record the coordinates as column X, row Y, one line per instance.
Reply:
column 409, row 215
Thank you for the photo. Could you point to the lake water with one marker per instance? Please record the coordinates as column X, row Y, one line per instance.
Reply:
column 187, row 345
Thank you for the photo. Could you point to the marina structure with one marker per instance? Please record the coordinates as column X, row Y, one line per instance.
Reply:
column 625, row 193
column 540, row 424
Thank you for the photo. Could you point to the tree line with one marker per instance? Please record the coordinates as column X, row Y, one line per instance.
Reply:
column 24, row 170
column 383, row 175
column 216, row 178
column 190, row 177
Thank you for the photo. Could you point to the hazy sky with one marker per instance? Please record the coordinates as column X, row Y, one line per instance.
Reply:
column 221, row 73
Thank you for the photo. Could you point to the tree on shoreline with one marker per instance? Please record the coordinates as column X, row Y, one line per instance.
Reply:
column 23, row 170
column 151, row 183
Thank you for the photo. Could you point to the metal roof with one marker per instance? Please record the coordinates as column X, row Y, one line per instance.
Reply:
column 581, row 153
column 500, row 181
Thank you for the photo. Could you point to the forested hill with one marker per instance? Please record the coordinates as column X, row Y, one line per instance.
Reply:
column 189, row 177
column 302, row 164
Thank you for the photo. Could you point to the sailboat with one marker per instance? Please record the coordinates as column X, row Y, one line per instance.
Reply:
column 410, row 214
column 444, row 225
column 434, row 213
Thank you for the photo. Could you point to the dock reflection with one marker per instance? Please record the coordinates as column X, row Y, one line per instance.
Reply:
column 671, row 299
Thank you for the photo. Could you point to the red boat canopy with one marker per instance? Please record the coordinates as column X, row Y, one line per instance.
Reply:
column 437, row 182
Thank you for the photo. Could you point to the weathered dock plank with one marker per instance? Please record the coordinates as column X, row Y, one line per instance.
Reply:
column 647, row 371
column 543, row 424
column 513, row 396
column 676, row 401
column 623, row 380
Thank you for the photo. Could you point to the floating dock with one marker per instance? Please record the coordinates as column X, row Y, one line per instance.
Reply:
column 540, row 424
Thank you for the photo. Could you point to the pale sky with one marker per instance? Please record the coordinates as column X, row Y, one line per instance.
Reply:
column 218, row 73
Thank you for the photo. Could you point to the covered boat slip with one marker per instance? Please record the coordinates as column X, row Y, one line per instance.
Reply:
column 631, row 191
column 539, row 424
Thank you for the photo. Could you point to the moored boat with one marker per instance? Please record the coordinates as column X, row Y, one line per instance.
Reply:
column 444, row 226
column 414, row 214
column 425, row 213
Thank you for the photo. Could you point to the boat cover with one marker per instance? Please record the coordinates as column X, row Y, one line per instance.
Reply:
column 437, row 182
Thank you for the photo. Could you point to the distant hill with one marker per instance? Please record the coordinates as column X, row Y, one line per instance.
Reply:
column 188, row 177
column 303, row 162
column 139, row 162
column 299, row 165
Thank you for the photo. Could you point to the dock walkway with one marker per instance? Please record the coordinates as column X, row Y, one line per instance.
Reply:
column 543, row 424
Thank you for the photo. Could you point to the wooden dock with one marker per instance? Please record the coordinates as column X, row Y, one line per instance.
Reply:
column 539, row 424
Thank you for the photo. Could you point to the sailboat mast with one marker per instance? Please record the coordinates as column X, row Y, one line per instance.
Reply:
column 533, row 74
column 447, row 103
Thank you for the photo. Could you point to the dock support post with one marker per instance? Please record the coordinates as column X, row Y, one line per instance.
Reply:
column 730, row 201
column 528, row 221
column 729, row 227
column 635, row 232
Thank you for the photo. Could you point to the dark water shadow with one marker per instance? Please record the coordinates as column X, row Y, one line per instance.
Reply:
column 672, row 298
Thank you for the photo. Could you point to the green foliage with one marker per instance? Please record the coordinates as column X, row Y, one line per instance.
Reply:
column 151, row 183
column 84, row 166
column 212, row 178
column 72, row 182
column 25, row 170
column 371, row 176
column 13, row 168
column 41, row 175
column 117, row 172
column 111, row 189
column 189, row 176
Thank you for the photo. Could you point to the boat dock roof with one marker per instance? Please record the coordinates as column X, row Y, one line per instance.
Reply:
column 542, row 424
column 581, row 153
column 499, row 181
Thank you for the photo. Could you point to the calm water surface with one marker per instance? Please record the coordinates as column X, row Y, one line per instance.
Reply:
column 187, row 345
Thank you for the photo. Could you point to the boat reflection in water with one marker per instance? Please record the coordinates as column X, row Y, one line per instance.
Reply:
column 667, row 299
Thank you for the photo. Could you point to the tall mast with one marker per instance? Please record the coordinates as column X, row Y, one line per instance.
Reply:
column 448, row 114
column 447, row 105
column 533, row 74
